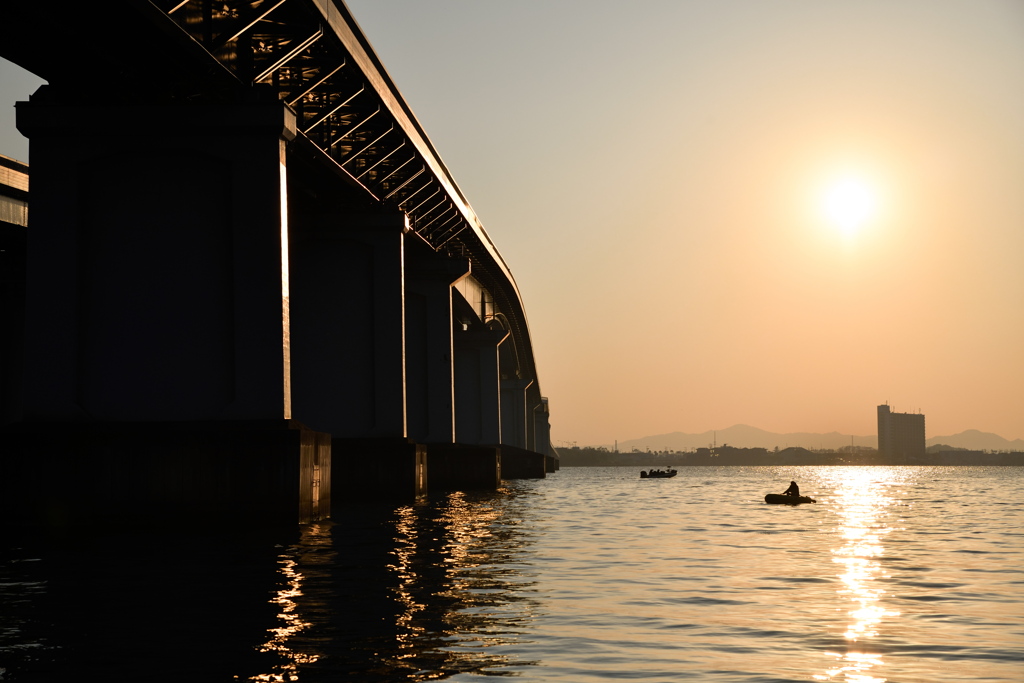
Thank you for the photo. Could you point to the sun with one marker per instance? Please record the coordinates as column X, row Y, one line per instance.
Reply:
column 849, row 203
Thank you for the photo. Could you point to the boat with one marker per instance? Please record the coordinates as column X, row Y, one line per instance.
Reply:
column 783, row 499
column 657, row 474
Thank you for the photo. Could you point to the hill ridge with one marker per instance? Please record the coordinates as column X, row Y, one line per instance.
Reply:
column 746, row 436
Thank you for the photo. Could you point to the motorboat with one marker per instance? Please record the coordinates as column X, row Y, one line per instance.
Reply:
column 658, row 474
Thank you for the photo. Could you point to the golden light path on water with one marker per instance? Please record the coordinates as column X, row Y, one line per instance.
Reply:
column 290, row 622
column 865, row 508
column 406, row 541
column 454, row 587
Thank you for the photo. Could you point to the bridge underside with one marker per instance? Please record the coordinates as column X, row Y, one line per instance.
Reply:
column 241, row 236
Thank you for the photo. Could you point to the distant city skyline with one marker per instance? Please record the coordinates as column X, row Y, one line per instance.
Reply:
column 773, row 213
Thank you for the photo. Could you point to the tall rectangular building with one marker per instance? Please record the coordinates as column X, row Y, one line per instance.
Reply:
column 900, row 435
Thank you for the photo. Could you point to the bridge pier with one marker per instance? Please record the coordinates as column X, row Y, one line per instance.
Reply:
column 348, row 342
column 514, row 415
column 157, row 274
column 542, row 428
column 430, row 372
column 157, row 326
column 477, row 391
column 349, row 348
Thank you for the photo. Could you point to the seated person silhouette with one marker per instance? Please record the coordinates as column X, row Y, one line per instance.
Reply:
column 793, row 490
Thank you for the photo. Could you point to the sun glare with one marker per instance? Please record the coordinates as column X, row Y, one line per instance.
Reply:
column 849, row 203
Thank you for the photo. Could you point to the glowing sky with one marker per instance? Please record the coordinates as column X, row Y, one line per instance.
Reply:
column 658, row 177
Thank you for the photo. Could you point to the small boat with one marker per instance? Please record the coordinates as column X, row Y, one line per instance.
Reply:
column 783, row 499
column 657, row 474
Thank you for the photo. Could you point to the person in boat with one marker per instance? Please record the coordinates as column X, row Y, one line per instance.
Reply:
column 793, row 490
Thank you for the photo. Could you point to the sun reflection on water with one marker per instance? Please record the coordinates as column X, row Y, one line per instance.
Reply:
column 290, row 622
column 406, row 540
column 863, row 503
column 458, row 603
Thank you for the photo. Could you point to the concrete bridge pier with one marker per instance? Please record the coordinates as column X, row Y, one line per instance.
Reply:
column 542, row 433
column 349, row 349
column 348, row 324
column 430, row 368
column 518, row 461
column 157, row 304
column 430, row 373
column 477, row 388
column 514, row 415
column 157, row 278
column 478, row 399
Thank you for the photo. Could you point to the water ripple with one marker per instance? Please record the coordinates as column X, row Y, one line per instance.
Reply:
column 897, row 574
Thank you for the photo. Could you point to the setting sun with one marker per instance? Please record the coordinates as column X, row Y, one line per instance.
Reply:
column 849, row 203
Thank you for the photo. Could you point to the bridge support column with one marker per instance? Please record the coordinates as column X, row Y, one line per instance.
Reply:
column 430, row 388
column 348, row 327
column 475, row 461
column 514, row 415
column 518, row 461
column 348, row 345
column 542, row 428
column 477, row 391
column 157, row 279
column 157, row 325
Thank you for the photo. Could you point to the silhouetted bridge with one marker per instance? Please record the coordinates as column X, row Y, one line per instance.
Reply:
column 247, row 266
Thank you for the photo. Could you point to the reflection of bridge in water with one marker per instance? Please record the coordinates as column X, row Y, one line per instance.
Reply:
column 250, row 277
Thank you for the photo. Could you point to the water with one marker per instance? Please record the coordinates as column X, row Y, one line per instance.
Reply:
column 897, row 574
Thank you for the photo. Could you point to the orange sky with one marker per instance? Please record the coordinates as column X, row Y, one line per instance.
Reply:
column 653, row 173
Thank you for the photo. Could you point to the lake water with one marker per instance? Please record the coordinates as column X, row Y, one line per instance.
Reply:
column 896, row 574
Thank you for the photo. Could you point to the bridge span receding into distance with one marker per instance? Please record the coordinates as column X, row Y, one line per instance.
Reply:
column 248, row 279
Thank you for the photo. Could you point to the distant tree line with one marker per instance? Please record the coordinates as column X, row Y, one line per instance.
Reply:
column 589, row 456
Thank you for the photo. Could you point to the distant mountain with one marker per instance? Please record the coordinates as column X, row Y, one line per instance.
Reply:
column 745, row 436
column 974, row 440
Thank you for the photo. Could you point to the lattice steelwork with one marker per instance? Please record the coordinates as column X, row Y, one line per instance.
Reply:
column 284, row 45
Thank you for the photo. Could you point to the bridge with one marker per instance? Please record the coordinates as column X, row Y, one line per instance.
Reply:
column 250, row 279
